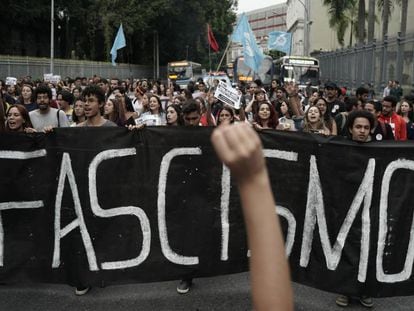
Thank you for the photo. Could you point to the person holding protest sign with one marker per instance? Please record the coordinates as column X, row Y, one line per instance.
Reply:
column 18, row 120
column 156, row 115
column 239, row 147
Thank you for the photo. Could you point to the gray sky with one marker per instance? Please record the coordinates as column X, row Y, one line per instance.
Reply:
column 250, row 5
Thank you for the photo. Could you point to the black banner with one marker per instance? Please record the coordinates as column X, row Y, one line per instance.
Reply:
column 83, row 205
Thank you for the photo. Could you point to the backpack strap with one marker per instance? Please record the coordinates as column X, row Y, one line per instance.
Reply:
column 57, row 116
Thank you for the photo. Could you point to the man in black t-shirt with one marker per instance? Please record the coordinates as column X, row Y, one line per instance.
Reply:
column 381, row 130
column 335, row 106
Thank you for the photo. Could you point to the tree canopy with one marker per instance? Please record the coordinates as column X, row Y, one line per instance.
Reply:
column 85, row 29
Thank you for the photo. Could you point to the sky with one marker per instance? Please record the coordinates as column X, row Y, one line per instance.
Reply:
column 250, row 5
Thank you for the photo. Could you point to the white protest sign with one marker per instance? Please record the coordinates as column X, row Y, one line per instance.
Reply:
column 228, row 95
column 47, row 77
column 149, row 120
column 11, row 81
column 55, row 79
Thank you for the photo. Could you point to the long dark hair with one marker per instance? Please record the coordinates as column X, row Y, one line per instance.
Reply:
column 23, row 113
column 118, row 113
column 2, row 114
column 273, row 118
column 177, row 109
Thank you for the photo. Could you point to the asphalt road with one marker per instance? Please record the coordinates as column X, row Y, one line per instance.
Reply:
column 229, row 292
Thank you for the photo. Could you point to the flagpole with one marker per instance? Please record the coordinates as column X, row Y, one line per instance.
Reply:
column 209, row 55
column 224, row 54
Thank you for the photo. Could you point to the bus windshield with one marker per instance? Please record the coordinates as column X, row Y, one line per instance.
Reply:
column 179, row 73
column 184, row 71
column 298, row 69
column 301, row 74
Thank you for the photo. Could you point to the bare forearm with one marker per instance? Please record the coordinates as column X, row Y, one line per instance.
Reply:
column 271, row 287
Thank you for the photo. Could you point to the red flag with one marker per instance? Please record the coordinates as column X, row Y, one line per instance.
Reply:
column 211, row 40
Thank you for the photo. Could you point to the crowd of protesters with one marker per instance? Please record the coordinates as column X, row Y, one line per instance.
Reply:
column 32, row 106
column 36, row 106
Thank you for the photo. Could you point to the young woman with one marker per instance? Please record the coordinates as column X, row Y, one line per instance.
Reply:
column 2, row 113
column 330, row 123
column 225, row 116
column 174, row 115
column 314, row 123
column 26, row 98
column 285, row 121
column 18, row 120
column 253, row 106
column 207, row 118
column 266, row 117
column 78, row 115
column 406, row 112
column 155, row 115
column 114, row 111
column 13, row 91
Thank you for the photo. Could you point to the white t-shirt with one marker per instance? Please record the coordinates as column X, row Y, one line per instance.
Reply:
column 41, row 120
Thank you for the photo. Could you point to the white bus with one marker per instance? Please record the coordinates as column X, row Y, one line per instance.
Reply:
column 298, row 69
column 184, row 71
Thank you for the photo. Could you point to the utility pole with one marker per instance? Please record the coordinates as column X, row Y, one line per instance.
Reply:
column 52, row 34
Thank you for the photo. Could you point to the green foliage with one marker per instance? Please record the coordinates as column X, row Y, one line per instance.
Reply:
column 85, row 29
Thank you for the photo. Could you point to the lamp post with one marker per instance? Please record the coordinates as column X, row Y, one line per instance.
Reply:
column 306, row 28
column 52, row 34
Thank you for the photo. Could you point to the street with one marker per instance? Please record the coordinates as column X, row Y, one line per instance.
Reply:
column 229, row 292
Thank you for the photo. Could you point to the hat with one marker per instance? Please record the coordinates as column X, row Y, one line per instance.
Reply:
column 330, row 85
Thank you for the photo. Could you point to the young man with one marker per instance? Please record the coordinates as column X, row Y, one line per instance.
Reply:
column 191, row 115
column 381, row 130
column 46, row 117
column 94, row 103
column 65, row 100
column 360, row 123
column 389, row 116
column 362, row 94
column 335, row 106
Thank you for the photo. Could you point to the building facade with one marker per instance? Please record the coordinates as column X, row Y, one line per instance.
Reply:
column 308, row 21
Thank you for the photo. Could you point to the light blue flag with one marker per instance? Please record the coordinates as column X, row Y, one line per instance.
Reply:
column 253, row 56
column 119, row 43
column 281, row 41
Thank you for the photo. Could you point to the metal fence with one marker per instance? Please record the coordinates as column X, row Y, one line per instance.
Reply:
column 14, row 66
column 373, row 63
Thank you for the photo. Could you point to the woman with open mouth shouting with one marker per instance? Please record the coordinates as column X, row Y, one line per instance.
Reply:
column 18, row 120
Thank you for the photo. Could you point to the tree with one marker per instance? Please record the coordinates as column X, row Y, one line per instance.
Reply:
column 361, row 21
column 371, row 20
column 337, row 10
column 88, row 27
